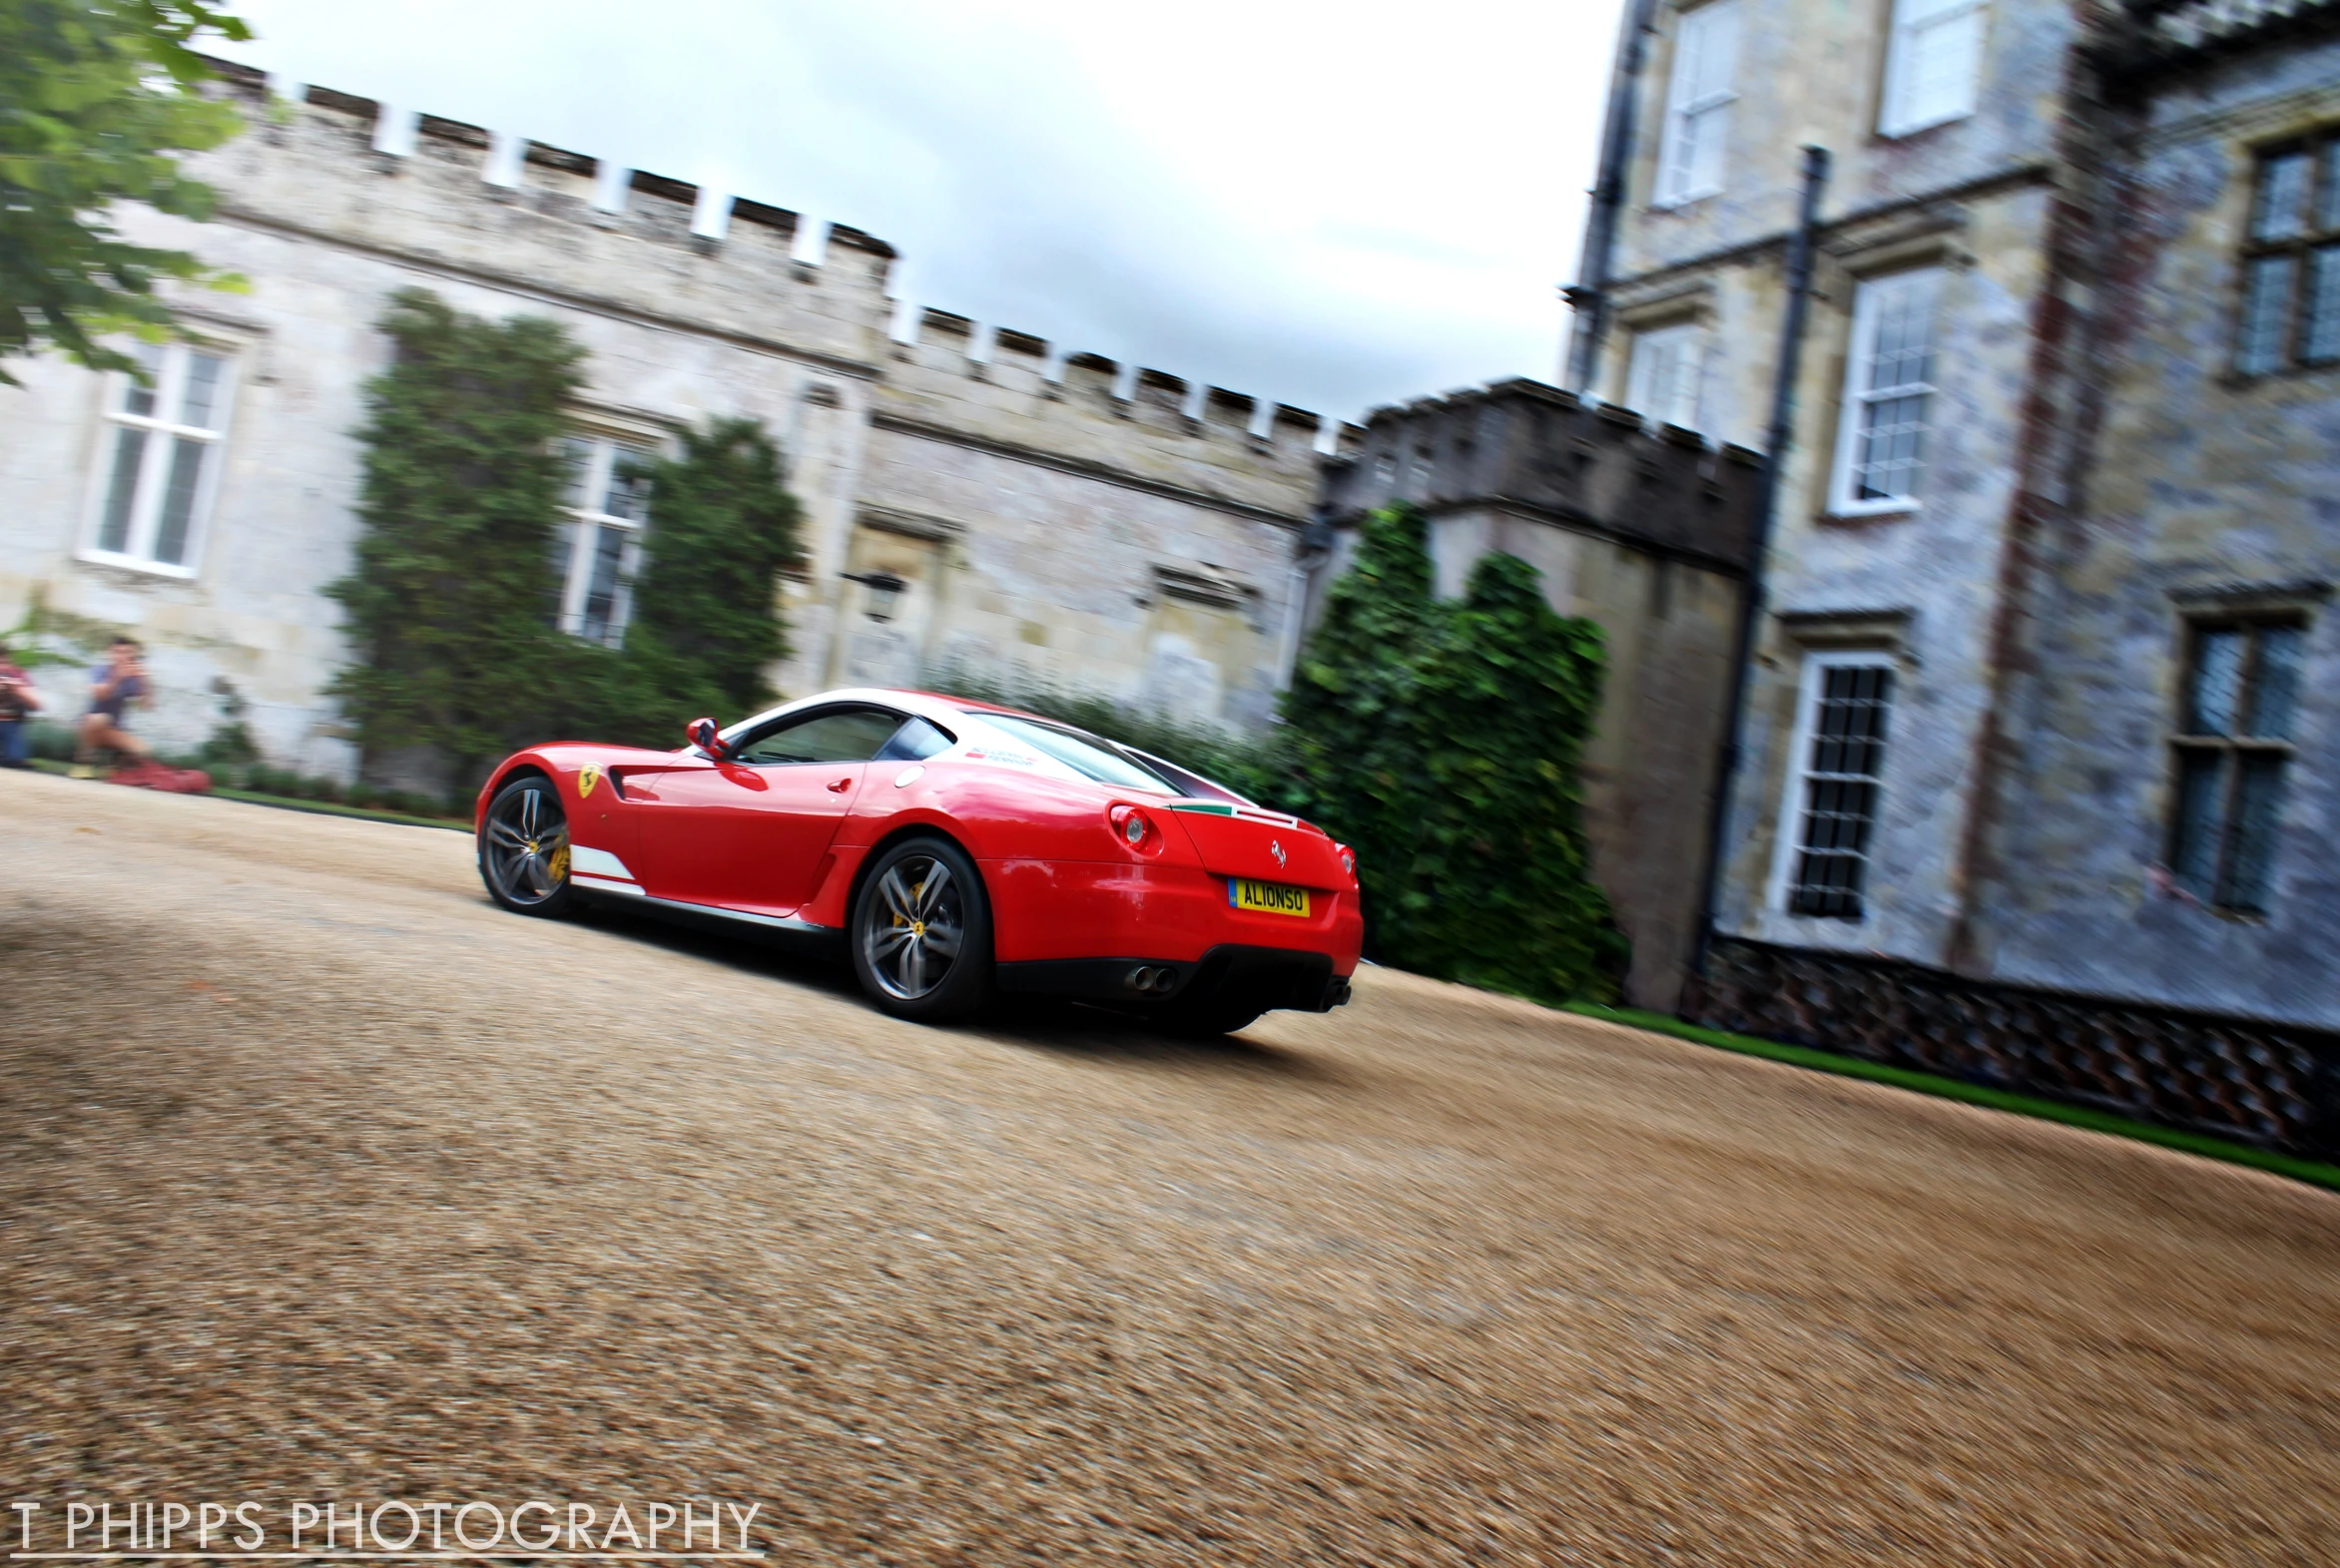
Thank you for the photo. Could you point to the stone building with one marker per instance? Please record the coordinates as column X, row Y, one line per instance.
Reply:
column 2041, row 764
column 1643, row 531
column 974, row 499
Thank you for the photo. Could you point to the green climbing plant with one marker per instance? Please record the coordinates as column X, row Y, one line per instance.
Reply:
column 705, row 628
column 1443, row 739
column 451, row 601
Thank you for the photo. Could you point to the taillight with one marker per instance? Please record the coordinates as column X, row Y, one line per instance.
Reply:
column 1132, row 824
column 1347, row 859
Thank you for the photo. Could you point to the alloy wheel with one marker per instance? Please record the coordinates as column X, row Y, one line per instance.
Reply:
column 914, row 927
column 527, row 845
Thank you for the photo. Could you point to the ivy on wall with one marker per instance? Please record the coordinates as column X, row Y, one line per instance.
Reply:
column 704, row 629
column 451, row 601
column 1442, row 738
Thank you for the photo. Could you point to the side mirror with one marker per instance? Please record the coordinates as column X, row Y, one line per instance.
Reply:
column 703, row 735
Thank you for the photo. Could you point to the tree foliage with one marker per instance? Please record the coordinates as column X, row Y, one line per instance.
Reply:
column 1442, row 740
column 96, row 98
column 451, row 602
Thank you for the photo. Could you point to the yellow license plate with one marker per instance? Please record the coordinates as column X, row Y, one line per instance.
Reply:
column 1268, row 897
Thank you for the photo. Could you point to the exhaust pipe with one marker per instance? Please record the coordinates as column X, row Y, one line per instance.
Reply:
column 1151, row 979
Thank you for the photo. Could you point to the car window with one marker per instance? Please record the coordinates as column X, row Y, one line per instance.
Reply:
column 1085, row 755
column 915, row 742
column 834, row 735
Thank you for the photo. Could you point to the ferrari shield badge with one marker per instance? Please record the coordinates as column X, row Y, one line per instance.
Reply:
column 587, row 777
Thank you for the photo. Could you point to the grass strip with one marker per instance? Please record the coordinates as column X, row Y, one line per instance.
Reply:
column 288, row 802
column 2315, row 1172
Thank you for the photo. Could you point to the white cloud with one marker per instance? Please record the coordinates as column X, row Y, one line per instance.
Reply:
column 1334, row 206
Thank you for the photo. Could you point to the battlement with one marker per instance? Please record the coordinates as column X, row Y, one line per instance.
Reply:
column 1018, row 373
column 500, row 203
column 1523, row 446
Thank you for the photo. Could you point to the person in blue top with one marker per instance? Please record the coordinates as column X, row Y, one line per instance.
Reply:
column 114, row 687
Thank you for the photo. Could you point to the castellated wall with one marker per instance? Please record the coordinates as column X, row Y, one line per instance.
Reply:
column 1043, row 527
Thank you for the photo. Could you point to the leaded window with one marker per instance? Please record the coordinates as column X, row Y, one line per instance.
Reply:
column 2232, row 751
column 2289, row 311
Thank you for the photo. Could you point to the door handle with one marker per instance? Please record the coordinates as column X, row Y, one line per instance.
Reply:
column 841, row 787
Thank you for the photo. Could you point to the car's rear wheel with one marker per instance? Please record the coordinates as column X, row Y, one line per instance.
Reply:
column 524, row 849
column 922, row 932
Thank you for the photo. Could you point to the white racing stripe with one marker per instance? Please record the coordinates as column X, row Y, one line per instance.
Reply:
column 597, row 863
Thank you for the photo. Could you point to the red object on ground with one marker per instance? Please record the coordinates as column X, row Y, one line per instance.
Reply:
column 155, row 776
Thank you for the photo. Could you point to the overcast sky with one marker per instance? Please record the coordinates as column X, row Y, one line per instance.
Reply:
column 1335, row 206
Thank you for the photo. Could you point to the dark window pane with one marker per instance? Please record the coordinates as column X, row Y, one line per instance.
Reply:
column 2274, row 700
column 186, row 458
column 2259, row 796
column 122, row 490
column 2319, row 335
column 601, row 622
column 2216, row 692
column 2328, row 188
column 2201, row 792
column 2266, row 314
column 2278, row 207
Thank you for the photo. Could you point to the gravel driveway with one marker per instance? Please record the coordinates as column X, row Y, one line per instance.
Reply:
column 325, row 1180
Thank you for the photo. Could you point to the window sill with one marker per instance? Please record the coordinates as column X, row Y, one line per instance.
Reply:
column 131, row 563
column 1903, row 133
column 1843, row 516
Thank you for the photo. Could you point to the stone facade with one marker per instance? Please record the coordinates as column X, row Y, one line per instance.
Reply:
column 1048, row 519
column 2109, row 502
column 1645, row 533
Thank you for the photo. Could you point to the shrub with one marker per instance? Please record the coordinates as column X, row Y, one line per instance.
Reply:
column 1442, row 738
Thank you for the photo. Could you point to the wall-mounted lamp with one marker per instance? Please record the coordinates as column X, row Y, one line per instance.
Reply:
column 885, row 591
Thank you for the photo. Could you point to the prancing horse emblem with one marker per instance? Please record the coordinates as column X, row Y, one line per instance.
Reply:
column 1277, row 849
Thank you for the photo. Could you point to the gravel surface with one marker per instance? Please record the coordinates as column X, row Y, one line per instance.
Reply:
column 324, row 1180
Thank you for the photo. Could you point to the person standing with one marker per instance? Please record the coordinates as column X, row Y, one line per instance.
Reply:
column 19, row 701
column 114, row 687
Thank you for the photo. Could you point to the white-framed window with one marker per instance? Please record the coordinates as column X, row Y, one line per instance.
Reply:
column 1882, row 427
column 160, row 461
column 1933, row 63
column 1698, row 104
column 601, row 549
column 1836, row 785
column 1662, row 377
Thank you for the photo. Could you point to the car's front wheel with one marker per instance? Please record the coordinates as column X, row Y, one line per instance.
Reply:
column 525, row 848
column 922, row 932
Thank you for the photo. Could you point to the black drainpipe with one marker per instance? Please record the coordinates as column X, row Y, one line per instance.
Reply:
column 1590, row 296
column 1775, row 450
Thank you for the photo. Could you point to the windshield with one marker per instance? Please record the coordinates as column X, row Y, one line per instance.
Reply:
column 1085, row 755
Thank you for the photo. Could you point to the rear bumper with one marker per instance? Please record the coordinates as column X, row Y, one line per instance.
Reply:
column 1268, row 977
column 1044, row 911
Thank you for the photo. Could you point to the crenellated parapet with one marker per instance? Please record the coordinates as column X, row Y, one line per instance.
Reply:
column 449, row 196
column 1529, row 449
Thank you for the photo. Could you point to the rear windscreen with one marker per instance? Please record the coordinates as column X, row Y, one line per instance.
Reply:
column 1084, row 754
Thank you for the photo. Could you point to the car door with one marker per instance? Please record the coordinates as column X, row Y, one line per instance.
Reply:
column 748, row 832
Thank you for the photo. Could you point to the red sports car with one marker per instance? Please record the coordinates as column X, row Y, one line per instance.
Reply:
column 953, row 849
